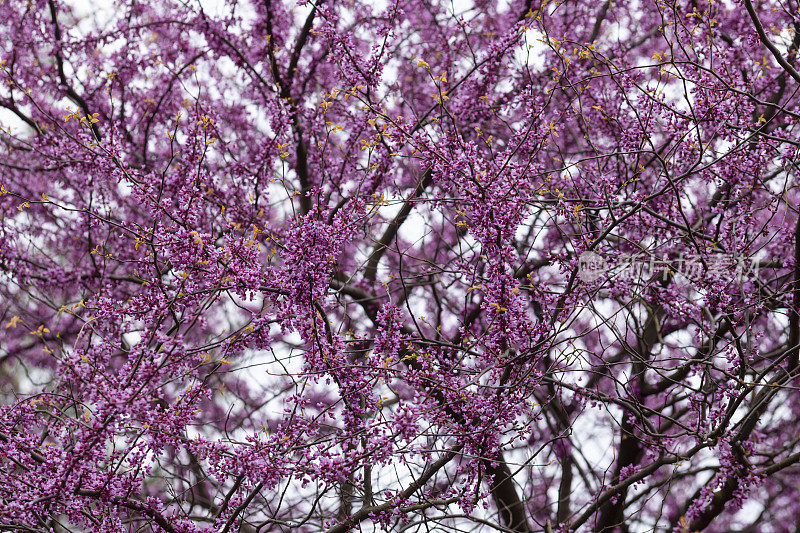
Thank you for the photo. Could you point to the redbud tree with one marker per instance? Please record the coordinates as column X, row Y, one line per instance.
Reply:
column 402, row 265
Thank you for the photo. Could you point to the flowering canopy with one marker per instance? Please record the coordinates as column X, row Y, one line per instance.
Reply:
column 322, row 266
